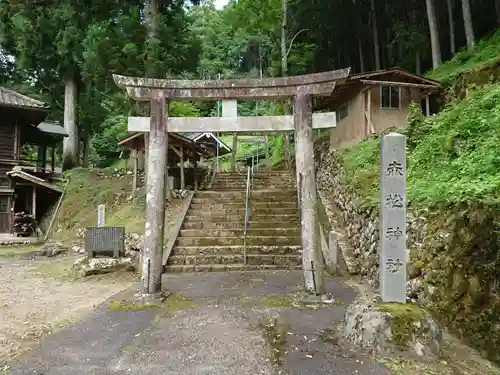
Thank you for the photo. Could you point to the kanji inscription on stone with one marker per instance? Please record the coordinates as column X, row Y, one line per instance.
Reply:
column 393, row 253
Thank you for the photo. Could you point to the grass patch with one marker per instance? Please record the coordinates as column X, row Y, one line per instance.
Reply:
column 485, row 52
column 87, row 188
column 452, row 157
column 14, row 251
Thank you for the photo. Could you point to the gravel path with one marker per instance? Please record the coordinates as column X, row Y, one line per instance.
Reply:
column 32, row 305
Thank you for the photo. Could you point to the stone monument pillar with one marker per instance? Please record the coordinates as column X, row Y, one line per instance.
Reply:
column 393, row 253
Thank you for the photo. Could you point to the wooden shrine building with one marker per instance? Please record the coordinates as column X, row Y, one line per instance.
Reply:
column 28, row 177
column 184, row 156
column 371, row 102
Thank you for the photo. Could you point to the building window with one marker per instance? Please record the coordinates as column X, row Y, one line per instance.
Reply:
column 342, row 112
column 4, row 204
column 390, row 97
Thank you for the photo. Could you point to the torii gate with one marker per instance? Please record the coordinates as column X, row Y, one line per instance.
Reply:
column 160, row 91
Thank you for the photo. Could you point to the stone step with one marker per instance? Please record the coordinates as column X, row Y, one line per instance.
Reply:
column 267, row 194
column 256, row 176
column 259, row 201
column 208, row 225
column 271, row 231
column 207, row 211
column 224, row 268
column 208, row 203
column 252, row 259
column 225, row 188
column 250, row 240
column 278, row 218
column 237, row 250
column 256, row 173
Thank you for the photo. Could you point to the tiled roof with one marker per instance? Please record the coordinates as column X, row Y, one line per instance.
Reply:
column 52, row 128
column 14, row 99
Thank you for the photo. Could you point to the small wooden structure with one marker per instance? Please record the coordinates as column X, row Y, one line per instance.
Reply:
column 159, row 91
column 368, row 103
column 26, row 183
column 181, row 150
column 210, row 142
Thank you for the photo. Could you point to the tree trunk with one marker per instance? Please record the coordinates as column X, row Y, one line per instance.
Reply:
column 418, row 63
column 433, row 29
column 284, row 73
column 70, row 143
column 376, row 44
column 452, row 27
column 497, row 9
column 151, row 19
column 469, row 28
column 361, row 56
column 85, row 151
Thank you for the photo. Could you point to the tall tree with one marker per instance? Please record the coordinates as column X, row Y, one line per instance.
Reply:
column 469, row 28
column 376, row 43
column 451, row 23
column 284, row 73
column 434, row 32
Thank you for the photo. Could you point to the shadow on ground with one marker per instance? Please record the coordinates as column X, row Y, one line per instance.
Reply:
column 219, row 323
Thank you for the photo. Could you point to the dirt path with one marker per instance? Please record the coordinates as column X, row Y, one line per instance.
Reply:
column 37, row 297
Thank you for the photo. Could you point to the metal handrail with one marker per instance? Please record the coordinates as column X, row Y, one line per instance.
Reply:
column 247, row 196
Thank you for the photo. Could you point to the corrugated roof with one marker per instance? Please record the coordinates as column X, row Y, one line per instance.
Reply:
column 191, row 135
column 52, row 128
column 12, row 98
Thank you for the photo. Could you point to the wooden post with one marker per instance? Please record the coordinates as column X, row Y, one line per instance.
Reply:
column 53, row 158
column 155, row 197
column 312, row 262
column 146, row 153
column 427, row 106
column 33, row 210
column 181, row 156
column 195, row 172
column 268, row 159
column 135, row 161
column 233, row 158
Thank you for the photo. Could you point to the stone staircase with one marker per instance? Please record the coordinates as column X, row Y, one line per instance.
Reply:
column 212, row 235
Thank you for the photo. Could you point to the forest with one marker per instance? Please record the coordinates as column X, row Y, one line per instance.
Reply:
column 64, row 52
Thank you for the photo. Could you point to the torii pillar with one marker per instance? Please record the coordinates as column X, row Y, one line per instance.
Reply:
column 301, row 88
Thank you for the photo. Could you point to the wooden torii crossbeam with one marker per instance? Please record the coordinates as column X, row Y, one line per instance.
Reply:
column 159, row 91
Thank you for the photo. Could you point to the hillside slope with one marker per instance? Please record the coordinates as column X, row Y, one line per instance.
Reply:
column 87, row 188
column 453, row 189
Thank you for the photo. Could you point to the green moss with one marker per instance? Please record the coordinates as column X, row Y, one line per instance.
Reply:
column 404, row 317
column 177, row 302
column 122, row 305
column 279, row 301
column 275, row 333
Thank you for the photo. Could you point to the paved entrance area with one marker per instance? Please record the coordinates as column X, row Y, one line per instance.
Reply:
column 241, row 323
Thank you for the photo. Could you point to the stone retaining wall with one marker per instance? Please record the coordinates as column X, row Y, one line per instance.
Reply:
column 453, row 263
column 360, row 225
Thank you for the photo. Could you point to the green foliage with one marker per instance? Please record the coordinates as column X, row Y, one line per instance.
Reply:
column 104, row 148
column 452, row 157
column 486, row 51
